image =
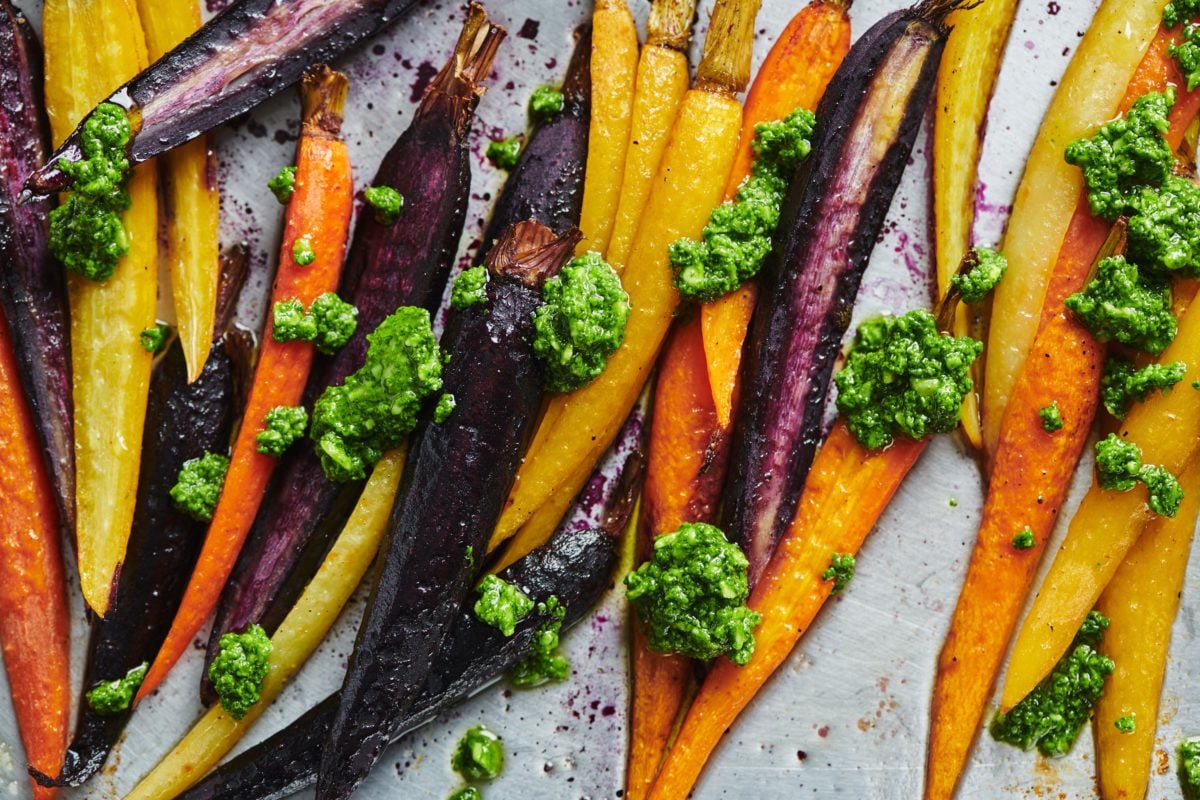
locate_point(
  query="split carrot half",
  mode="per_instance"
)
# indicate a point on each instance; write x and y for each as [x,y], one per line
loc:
[320,211]
[848,488]
[1141,602]
[794,75]
[1031,470]
[34,625]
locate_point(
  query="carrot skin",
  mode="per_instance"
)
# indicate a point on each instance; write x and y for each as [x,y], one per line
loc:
[320,210]
[34,624]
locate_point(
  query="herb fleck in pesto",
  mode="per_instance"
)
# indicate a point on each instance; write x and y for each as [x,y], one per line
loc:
[445,406]
[544,663]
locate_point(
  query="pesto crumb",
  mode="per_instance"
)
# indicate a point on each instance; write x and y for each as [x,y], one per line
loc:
[154,338]
[283,184]
[386,203]
[546,103]
[504,153]
[445,406]
[840,571]
[1051,418]
[302,251]
[1024,540]
[1126,724]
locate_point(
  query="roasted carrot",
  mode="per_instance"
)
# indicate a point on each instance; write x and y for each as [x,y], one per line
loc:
[91,46]
[690,183]
[1030,474]
[1141,602]
[794,75]
[191,241]
[319,211]
[614,72]
[1088,95]
[34,626]
[847,490]
[662,81]
[965,82]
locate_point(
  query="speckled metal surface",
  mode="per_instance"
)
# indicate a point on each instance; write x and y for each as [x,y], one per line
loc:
[847,715]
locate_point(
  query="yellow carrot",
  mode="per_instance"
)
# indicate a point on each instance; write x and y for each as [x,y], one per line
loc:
[1088,94]
[1141,602]
[662,81]
[1107,524]
[91,47]
[614,70]
[216,733]
[689,184]
[966,78]
[192,240]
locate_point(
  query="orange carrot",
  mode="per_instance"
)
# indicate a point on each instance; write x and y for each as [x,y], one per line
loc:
[1031,470]
[793,75]
[848,488]
[685,471]
[319,211]
[34,627]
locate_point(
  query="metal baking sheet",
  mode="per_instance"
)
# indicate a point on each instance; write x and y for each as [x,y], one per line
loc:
[847,715]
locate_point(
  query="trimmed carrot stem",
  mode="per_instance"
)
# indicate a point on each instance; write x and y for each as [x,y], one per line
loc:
[848,488]
[319,211]
[34,625]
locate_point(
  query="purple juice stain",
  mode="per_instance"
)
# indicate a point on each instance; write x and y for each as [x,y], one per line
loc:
[426,72]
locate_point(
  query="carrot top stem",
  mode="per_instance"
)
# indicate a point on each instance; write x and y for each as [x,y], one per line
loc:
[670,24]
[322,101]
[725,66]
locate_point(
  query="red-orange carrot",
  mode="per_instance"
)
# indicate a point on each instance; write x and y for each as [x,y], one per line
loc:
[848,488]
[793,75]
[34,627]
[318,211]
[685,471]
[1031,471]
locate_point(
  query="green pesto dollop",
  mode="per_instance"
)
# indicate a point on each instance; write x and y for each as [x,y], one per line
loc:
[840,571]
[1189,767]
[1024,540]
[544,663]
[470,288]
[989,267]
[283,426]
[153,339]
[283,184]
[903,377]
[546,103]
[479,755]
[444,408]
[691,595]
[239,669]
[199,484]
[302,251]
[376,407]
[466,793]
[501,604]
[385,202]
[737,238]
[329,323]
[1051,418]
[1126,724]
[112,697]
[1164,227]
[1119,468]
[1177,11]
[580,323]
[1187,53]
[504,153]
[1125,154]
[1126,305]
[86,231]
[1051,717]
[1122,384]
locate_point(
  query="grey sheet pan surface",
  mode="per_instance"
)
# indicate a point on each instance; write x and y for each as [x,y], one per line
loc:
[847,715]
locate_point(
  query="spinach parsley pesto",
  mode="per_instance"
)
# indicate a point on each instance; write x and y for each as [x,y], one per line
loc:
[691,595]
[283,426]
[86,231]
[385,202]
[283,185]
[840,571]
[479,755]
[1189,767]
[328,324]
[239,669]
[1051,717]
[470,288]
[544,663]
[580,323]
[198,487]
[504,153]
[112,697]
[903,377]
[154,338]
[987,267]
[1126,305]
[1051,418]
[1119,468]
[737,238]
[377,406]
[1123,384]
[501,604]
[546,103]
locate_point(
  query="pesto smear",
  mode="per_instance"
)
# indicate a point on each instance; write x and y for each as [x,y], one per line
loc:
[903,377]
[112,697]
[86,231]
[1051,717]
[737,238]
[239,669]
[1164,227]
[691,595]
